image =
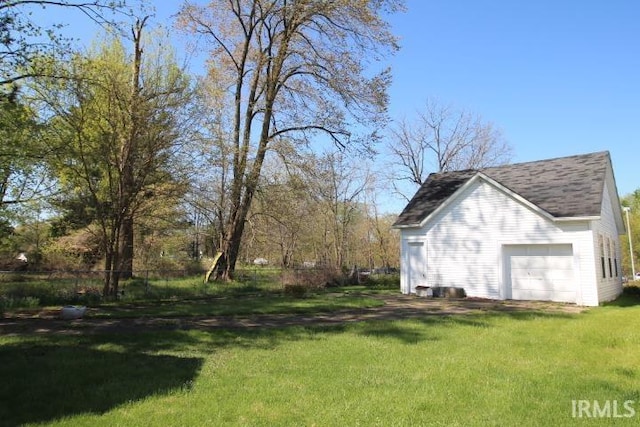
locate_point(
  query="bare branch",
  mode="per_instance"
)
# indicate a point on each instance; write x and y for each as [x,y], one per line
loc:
[447,139]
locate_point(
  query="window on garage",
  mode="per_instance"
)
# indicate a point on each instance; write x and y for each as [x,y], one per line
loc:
[609,253]
[602,255]
[614,255]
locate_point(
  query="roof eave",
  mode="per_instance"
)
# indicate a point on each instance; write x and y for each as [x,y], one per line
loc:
[516,196]
[450,199]
[577,218]
[404,226]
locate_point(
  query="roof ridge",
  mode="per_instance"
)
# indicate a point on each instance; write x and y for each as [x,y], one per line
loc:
[569,186]
[531,162]
[574,156]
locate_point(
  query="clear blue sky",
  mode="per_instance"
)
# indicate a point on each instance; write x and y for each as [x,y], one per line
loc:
[559,77]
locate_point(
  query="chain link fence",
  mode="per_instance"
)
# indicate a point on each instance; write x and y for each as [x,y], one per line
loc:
[24,289]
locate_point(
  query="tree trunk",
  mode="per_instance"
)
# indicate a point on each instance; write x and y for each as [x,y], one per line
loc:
[231,249]
[127,156]
[111,274]
[106,289]
[126,249]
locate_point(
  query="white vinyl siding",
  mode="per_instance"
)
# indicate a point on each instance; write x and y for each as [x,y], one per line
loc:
[464,242]
[607,246]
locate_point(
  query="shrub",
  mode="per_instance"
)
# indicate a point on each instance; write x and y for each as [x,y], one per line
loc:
[313,279]
[296,291]
[89,295]
[632,289]
[18,302]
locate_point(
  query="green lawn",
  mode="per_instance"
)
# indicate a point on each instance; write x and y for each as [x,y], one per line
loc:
[248,305]
[486,369]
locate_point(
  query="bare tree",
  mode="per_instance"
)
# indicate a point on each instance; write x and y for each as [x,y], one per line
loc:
[339,182]
[383,239]
[296,69]
[443,138]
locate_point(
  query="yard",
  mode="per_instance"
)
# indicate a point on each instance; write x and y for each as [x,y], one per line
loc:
[539,366]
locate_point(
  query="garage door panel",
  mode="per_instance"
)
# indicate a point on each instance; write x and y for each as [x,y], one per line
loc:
[530,294]
[541,262]
[540,272]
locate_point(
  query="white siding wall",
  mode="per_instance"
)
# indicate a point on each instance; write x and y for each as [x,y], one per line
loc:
[605,231]
[464,242]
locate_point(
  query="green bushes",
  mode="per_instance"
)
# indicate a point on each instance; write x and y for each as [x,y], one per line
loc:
[27,291]
[8,303]
[295,290]
[632,289]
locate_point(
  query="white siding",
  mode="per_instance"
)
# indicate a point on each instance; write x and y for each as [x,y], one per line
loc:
[465,240]
[609,284]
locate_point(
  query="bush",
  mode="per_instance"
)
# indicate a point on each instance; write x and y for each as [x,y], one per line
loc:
[632,289]
[88,295]
[296,291]
[18,302]
[384,281]
[313,279]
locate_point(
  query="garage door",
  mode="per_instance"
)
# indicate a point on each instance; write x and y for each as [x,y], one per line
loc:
[539,272]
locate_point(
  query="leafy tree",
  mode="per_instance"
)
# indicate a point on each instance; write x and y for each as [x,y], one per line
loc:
[22,40]
[295,69]
[32,234]
[115,129]
[21,173]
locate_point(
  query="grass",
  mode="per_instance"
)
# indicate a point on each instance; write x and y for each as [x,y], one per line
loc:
[483,369]
[239,306]
[260,293]
[22,290]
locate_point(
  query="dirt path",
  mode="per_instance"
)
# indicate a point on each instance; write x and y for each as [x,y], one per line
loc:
[395,307]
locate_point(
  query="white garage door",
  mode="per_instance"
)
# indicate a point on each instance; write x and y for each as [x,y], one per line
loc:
[540,272]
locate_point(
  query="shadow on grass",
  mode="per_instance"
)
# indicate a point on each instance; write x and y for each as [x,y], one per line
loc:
[48,377]
[42,383]
[433,327]
[401,332]
[630,297]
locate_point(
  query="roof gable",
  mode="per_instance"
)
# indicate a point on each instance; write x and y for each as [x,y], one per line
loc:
[567,187]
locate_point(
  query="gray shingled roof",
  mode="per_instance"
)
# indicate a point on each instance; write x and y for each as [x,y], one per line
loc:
[563,187]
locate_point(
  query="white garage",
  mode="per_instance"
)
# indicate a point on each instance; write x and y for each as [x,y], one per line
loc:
[539,272]
[546,230]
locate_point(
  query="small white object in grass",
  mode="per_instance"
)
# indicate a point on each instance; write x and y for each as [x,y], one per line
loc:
[70,312]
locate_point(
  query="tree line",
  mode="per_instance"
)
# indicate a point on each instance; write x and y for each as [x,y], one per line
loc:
[117,156]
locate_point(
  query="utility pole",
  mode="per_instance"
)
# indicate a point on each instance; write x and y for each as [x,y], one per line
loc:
[626,210]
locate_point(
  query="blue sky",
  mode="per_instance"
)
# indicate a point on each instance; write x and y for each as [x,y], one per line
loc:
[558,77]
